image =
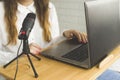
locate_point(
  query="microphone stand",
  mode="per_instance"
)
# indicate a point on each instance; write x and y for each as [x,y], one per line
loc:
[26,50]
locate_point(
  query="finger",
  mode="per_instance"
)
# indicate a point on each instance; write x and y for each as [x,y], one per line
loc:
[71,35]
[77,35]
[37,49]
[34,50]
[36,45]
[86,37]
[83,37]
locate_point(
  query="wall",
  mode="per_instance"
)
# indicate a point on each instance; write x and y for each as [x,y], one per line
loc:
[70,14]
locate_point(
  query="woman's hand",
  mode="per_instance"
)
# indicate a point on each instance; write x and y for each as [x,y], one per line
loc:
[35,48]
[82,37]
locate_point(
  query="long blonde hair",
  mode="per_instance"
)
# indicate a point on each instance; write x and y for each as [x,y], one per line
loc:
[42,9]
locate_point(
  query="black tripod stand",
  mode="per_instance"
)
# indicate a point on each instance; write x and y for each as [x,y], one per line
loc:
[26,50]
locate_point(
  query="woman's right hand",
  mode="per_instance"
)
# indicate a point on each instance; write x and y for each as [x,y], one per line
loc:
[69,34]
[35,48]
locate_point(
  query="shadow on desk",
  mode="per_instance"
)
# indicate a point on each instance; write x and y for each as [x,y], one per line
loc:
[3,77]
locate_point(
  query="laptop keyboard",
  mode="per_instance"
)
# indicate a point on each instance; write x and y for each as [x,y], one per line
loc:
[79,54]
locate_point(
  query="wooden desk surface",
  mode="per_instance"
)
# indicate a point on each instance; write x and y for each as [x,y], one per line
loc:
[49,69]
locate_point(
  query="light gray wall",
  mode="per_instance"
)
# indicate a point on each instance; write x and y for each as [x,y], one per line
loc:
[70,14]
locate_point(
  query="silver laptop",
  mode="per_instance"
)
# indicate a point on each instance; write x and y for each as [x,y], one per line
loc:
[103,30]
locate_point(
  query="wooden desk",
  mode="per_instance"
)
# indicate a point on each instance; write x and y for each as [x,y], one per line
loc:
[53,70]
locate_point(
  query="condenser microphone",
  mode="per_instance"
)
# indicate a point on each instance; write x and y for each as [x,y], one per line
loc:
[27,26]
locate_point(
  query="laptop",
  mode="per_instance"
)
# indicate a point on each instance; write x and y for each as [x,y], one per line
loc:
[103,30]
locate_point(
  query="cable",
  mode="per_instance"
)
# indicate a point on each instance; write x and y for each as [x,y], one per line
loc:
[17,61]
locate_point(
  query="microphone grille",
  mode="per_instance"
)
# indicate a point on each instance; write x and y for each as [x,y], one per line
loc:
[31,15]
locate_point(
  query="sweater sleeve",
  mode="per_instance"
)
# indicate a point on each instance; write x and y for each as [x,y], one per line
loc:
[5,55]
[55,31]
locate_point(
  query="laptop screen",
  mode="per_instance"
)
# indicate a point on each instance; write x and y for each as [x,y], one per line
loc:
[102,18]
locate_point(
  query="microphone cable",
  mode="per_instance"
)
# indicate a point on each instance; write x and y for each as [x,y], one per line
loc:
[17,61]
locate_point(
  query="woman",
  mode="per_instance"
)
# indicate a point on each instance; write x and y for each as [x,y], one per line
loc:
[44,31]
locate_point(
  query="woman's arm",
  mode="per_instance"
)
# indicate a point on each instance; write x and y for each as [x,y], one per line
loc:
[5,54]
[54,25]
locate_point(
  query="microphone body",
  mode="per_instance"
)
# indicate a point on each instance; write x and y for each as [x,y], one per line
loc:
[27,26]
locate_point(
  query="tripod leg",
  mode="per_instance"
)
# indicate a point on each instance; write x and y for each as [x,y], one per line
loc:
[12,61]
[35,73]
[35,56]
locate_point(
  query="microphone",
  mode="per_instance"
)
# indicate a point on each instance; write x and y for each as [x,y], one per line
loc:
[27,26]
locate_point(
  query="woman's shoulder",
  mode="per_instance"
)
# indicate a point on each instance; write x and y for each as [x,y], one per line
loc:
[1,8]
[1,4]
[51,5]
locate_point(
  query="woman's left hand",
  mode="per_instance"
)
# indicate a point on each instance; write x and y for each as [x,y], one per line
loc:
[35,48]
[82,37]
